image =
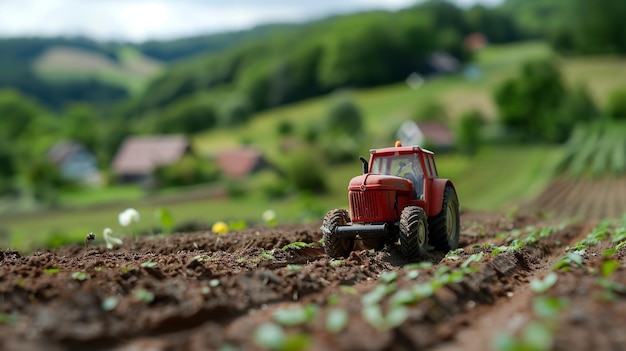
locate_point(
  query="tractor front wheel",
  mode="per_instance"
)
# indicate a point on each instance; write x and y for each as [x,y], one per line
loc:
[413,233]
[334,245]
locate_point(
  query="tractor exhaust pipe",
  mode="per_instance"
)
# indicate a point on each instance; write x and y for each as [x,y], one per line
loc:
[365,164]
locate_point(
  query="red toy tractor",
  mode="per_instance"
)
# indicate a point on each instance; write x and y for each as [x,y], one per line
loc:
[399,197]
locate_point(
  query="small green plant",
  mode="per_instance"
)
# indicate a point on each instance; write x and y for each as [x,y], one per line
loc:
[109,303]
[126,269]
[335,263]
[608,267]
[80,276]
[237,225]
[295,316]
[270,336]
[543,285]
[294,267]
[143,295]
[336,320]
[51,270]
[8,319]
[201,258]
[149,264]
[388,277]
[214,283]
[268,256]
[165,218]
[297,245]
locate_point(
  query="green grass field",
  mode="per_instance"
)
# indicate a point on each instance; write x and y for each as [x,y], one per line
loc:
[497,178]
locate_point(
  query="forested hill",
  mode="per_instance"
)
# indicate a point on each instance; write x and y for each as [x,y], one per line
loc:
[281,63]
[25,63]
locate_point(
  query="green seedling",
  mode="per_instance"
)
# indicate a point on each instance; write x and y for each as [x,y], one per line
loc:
[346,289]
[295,316]
[388,277]
[241,259]
[51,270]
[335,263]
[149,264]
[336,320]
[567,261]
[297,245]
[267,256]
[419,265]
[80,276]
[8,319]
[548,307]
[109,303]
[214,283]
[608,267]
[542,285]
[165,218]
[269,338]
[412,274]
[473,258]
[144,295]
[201,258]
[294,267]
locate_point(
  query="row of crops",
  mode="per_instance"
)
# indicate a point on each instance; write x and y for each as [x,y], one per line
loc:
[595,150]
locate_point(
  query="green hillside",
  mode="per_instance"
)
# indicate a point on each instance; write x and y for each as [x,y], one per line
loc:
[132,70]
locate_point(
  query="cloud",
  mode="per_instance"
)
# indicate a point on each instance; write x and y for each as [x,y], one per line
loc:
[140,20]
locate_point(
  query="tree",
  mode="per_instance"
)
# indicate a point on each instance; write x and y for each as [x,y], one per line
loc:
[528,103]
[617,104]
[82,125]
[469,131]
[343,132]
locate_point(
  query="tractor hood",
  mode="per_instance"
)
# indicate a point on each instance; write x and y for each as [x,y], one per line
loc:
[379,182]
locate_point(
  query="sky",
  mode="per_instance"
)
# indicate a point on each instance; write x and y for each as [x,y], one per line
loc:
[141,20]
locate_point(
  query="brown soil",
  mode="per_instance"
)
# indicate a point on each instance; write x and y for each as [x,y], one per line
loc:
[199,291]
[584,198]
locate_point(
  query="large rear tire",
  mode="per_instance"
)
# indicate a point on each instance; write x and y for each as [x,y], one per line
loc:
[445,227]
[334,245]
[413,233]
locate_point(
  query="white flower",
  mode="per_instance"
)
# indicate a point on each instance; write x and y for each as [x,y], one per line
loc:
[110,240]
[269,216]
[128,216]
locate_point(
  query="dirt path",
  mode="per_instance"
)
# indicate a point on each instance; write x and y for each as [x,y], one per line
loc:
[251,290]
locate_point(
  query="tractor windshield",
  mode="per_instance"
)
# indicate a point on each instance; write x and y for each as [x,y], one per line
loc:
[406,166]
[397,165]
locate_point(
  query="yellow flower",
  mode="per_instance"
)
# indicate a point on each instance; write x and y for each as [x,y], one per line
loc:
[220,228]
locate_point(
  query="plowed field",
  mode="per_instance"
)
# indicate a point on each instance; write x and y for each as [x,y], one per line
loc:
[516,282]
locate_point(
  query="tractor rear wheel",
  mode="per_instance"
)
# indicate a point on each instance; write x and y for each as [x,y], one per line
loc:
[334,245]
[413,232]
[445,227]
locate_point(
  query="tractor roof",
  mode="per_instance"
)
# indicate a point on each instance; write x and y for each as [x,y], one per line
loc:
[399,149]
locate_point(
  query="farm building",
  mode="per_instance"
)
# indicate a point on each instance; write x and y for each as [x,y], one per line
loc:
[139,156]
[435,135]
[239,163]
[75,162]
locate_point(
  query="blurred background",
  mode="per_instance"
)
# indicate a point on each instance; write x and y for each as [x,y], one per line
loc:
[194,112]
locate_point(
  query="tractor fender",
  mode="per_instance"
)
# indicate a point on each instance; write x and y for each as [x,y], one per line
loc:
[438,186]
